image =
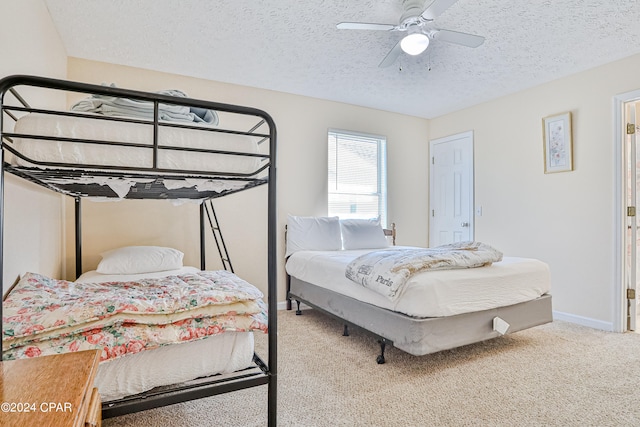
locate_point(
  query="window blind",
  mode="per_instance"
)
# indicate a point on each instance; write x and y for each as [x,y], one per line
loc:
[357,175]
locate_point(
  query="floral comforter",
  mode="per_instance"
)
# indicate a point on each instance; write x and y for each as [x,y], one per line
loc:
[46,316]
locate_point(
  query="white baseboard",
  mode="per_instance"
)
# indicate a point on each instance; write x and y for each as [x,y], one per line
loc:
[584,321]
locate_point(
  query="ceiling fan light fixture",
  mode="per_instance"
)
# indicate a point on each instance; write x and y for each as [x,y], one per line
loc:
[414,43]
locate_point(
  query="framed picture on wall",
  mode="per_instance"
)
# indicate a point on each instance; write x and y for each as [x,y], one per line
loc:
[558,144]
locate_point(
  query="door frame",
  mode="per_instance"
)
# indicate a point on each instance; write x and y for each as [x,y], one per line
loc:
[445,139]
[619,206]
[631,228]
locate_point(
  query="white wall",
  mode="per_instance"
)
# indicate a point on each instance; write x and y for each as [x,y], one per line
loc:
[29,44]
[302,125]
[565,219]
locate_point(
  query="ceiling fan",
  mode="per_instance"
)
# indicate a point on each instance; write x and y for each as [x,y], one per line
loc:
[416,22]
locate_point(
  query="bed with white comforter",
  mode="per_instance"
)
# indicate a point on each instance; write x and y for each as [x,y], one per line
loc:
[449,296]
[436,293]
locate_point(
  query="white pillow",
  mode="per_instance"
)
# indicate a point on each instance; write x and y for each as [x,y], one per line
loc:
[362,234]
[139,259]
[313,233]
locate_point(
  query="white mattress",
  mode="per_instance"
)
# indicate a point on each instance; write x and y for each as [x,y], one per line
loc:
[139,372]
[436,293]
[92,154]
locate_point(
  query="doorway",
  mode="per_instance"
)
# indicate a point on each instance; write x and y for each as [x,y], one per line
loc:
[627,200]
[631,157]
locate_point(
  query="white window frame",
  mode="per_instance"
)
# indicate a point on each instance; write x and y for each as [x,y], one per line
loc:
[381,142]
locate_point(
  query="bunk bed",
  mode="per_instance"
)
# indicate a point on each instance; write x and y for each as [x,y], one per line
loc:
[179,149]
[436,309]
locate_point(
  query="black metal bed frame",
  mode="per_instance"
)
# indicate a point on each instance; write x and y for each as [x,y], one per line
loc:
[50,174]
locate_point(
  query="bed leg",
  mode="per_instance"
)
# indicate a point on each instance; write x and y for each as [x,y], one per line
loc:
[288,292]
[380,358]
[345,332]
[298,311]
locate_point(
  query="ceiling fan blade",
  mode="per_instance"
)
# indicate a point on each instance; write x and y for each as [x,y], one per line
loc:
[464,39]
[391,56]
[364,26]
[436,8]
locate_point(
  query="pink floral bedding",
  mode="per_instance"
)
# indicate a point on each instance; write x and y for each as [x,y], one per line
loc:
[46,316]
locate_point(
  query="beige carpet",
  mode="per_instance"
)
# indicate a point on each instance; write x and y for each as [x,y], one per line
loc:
[558,374]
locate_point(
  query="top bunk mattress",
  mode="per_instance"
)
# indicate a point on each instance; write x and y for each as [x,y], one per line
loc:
[122,132]
[435,293]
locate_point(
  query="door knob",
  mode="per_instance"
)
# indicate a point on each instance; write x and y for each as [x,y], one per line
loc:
[464,224]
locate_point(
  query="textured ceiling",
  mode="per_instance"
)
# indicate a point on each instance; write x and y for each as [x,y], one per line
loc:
[293,46]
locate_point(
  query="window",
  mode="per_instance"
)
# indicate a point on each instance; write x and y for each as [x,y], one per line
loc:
[357,175]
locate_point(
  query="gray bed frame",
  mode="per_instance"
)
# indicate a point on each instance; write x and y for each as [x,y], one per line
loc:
[418,336]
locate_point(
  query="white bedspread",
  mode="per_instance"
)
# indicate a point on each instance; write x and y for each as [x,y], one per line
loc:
[432,293]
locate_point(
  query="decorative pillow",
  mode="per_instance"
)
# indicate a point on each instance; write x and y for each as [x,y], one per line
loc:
[139,259]
[312,233]
[362,234]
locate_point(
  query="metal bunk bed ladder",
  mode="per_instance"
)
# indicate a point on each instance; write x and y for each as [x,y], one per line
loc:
[217,235]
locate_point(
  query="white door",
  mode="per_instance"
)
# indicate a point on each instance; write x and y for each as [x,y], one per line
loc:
[451,189]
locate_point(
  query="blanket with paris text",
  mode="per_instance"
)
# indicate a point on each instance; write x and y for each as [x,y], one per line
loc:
[387,271]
